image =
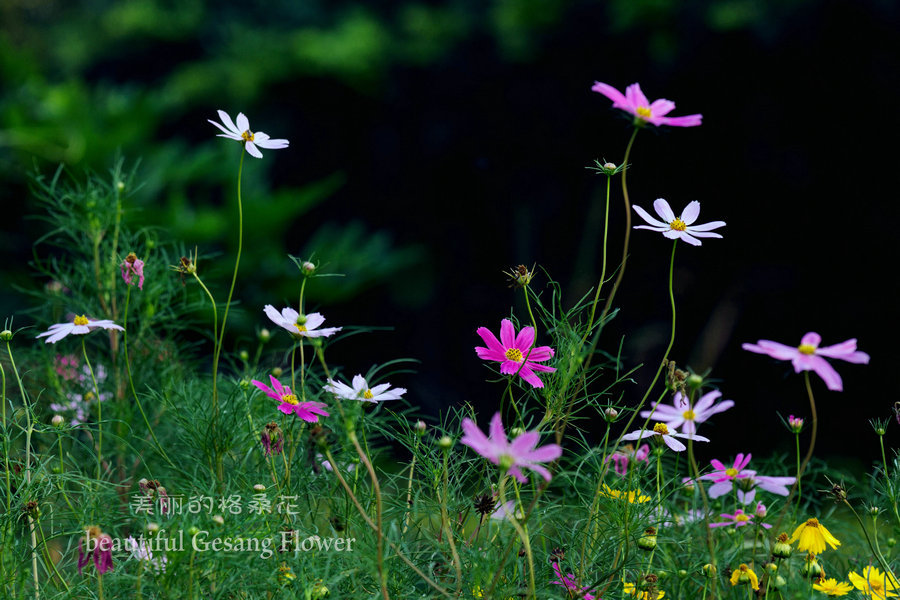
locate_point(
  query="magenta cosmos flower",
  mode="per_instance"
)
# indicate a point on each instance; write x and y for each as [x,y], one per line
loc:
[667,436]
[99,547]
[299,325]
[681,227]
[681,413]
[241,133]
[79,326]
[569,582]
[624,455]
[133,267]
[515,353]
[738,519]
[361,391]
[808,356]
[634,102]
[522,452]
[308,411]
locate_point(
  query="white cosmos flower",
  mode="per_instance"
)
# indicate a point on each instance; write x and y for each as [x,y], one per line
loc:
[361,390]
[678,227]
[241,133]
[299,325]
[667,436]
[79,326]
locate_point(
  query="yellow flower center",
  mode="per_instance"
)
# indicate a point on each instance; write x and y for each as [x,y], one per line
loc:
[806,349]
[661,429]
[247,135]
[368,395]
[301,328]
[514,354]
[81,320]
[678,225]
[689,415]
[290,399]
[742,517]
[644,112]
[812,523]
[731,472]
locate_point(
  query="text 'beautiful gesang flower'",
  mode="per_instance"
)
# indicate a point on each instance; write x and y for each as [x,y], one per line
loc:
[682,227]
[289,403]
[661,430]
[514,352]
[512,456]
[361,390]
[79,326]
[681,414]
[299,325]
[808,356]
[634,102]
[241,132]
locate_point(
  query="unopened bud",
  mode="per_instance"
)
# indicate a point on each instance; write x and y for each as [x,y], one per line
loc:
[307,268]
[648,540]
[694,381]
[873,510]
[891,542]
[264,335]
[193,530]
[277,371]
[6,335]
[57,420]
[218,519]
[446,442]
[811,568]
[259,487]
[709,570]
[610,414]
[120,185]
[244,355]
[682,573]
[152,527]
[420,427]
[516,432]
[782,549]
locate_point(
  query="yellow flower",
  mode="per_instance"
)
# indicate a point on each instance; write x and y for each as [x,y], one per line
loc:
[812,536]
[831,587]
[744,574]
[633,496]
[630,590]
[874,584]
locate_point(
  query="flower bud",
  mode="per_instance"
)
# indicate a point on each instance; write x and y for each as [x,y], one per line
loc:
[694,381]
[811,568]
[57,420]
[259,487]
[516,432]
[193,530]
[682,573]
[319,591]
[6,335]
[120,186]
[264,335]
[152,527]
[782,549]
[648,540]
[446,442]
[610,414]
[244,355]
[873,510]
[420,427]
[891,542]
[779,582]
[277,371]
[709,570]
[307,268]
[218,519]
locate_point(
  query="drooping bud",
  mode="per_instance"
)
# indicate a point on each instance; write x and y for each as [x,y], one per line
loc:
[782,548]
[648,540]
[811,569]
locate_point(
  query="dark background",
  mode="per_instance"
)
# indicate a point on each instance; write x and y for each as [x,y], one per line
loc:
[436,144]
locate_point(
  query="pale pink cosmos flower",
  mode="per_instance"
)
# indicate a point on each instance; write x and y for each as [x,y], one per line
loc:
[738,519]
[309,411]
[241,133]
[299,325]
[725,478]
[515,353]
[79,326]
[570,584]
[621,457]
[133,267]
[748,485]
[521,452]
[681,414]
[808,356]
[681,227]
[361,390]
[795,424]
[634,102]
[662,430]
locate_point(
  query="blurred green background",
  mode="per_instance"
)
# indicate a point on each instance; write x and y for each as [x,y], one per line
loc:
[434,144]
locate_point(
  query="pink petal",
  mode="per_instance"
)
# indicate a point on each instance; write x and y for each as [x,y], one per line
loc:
[498,434]
[811,339]
[685,121]
[610,92]
[540,367]
[635,96]
[773,349]
[700,227]
[540,353]
[507,334]
[540,470]
[674,444]
[490,339]
[827,373]
[845,351]
[286,408]
[524,443]
[488,354]
[546,453]
[661,107]
[525,339]
[706,400]
[528,375]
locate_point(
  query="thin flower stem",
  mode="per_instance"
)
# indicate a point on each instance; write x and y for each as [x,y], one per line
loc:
[812,444]
[621,273]
[412,471]
[61,469]
[872,546]
[99,407]
[523,534]
[445,521]
[887,477]
[602,280]
[131,381]
[5,440]
[215,388]
[220,338]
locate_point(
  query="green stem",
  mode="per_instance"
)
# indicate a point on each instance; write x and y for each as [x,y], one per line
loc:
[445,521]
[99,407]
[812,444]
[523,533]
[621,273]
[215,388]
[602,280]
[131,380]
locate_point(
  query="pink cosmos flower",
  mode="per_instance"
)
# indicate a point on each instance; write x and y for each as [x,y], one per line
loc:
[515,352]
[680,413]
[272,439]
[634,102]
[738,519]
[361,391]
[133,267]
[79,326]
[723,477]
[795,424]
[667,436]
[99,546]
[681,227]
[569,582]
[621,457]
[299,325]
[511,455]
[307,411]
[776,485]
[241,133]
[808,356]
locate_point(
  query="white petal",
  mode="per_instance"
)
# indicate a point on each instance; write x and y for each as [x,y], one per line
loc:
[229,124]
[646,216]
[252,150]
[663,209]
[242,123]
[690,212]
